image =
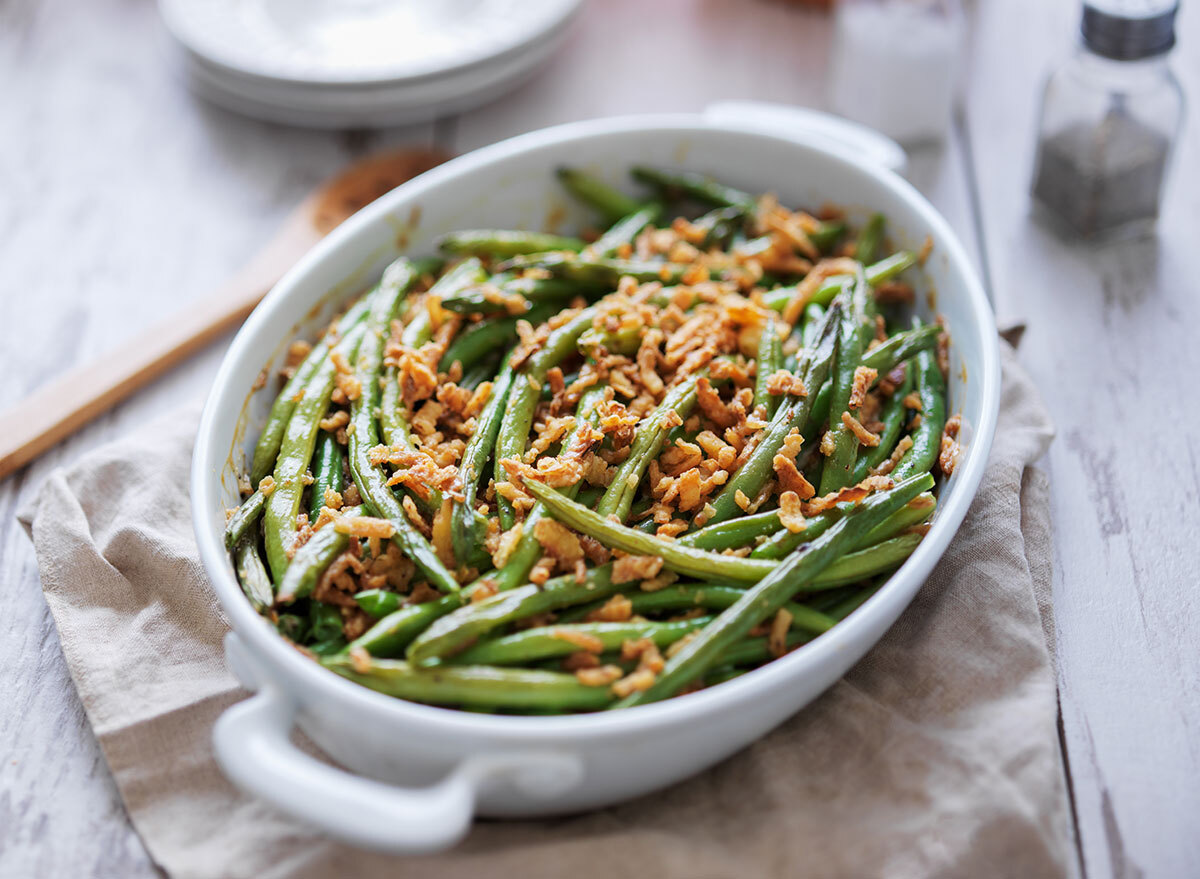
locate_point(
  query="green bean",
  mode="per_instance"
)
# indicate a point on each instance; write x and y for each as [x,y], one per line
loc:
[475,685]
[291,626]
[453,632]
[770,360]
[481,372]
[877,273]
[372,484]
[378,603]
[804,334]
[647,443]
[478,340]
[869,239]
[295,453]
[796,573]
[853,566]
[732,533]
[325,627]
[528,550]
[468,273]
[885,357]
[784,542]
[468,530]
[682,559]
[647,526]
[697,186]
[708,596]
[927,437]
[503,243]
[792,413]
[597,271]
[839,464]
[590,495]
[328,473]
[394,632]
[883,557]
[892,417]
[755,651]
[818,414]
[267,448]
[595,342]
[624,231]
[826,235]
[853,602]
[393,426]
[889,267]
[475,300]
[916,512]
[547,642]
[312,559]
[523,399]
[243,518]
[720,224]
[813,315]
[610,203]
[722,675]
[252,574]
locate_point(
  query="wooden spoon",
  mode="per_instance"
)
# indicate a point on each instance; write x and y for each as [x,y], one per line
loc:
[60,408]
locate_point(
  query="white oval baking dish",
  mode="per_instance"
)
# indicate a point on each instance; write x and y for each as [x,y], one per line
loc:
[418,774]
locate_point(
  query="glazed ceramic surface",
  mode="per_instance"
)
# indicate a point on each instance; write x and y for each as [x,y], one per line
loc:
[421,772]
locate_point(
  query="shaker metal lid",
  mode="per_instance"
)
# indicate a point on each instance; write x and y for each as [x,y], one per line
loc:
[1127,30]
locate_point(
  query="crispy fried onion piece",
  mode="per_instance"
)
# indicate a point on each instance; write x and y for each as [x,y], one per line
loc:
[886,467]
[714,408]
[416,471]
[855,427]
[777,639]
[850,494]
[948,456]
[784,463]
[599,677]
[636,567]
[650,663]
[783,382]
[618,609]
[791,512]
[863,377]
[559,542]
[364,526]
[821,272]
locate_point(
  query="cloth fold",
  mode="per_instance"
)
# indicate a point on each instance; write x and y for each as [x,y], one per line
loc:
[936,756]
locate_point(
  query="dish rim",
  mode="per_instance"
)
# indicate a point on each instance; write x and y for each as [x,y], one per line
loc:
[324,686]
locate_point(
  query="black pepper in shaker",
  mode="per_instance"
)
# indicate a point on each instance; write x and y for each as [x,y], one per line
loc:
[1110,117]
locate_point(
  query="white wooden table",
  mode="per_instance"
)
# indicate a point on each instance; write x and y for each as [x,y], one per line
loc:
[122,198]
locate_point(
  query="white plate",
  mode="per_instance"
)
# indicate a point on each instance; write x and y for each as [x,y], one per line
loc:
[369,105]
[359,41]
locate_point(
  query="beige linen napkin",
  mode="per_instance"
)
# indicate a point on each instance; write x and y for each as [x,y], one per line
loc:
[936,756]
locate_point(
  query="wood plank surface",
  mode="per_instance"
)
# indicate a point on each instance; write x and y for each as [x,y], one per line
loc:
[1111,343]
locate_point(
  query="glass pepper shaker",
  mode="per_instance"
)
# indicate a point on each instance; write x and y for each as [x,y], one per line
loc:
[1109,120]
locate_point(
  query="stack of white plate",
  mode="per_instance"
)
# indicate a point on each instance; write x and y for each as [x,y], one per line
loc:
[348,63]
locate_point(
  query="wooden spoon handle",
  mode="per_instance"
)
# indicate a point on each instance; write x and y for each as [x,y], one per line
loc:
[71,400]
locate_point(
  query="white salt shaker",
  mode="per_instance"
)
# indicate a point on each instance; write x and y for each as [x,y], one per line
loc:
[896,64]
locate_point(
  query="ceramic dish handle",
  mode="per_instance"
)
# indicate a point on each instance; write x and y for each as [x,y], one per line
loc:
[782,119]
[253,746]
